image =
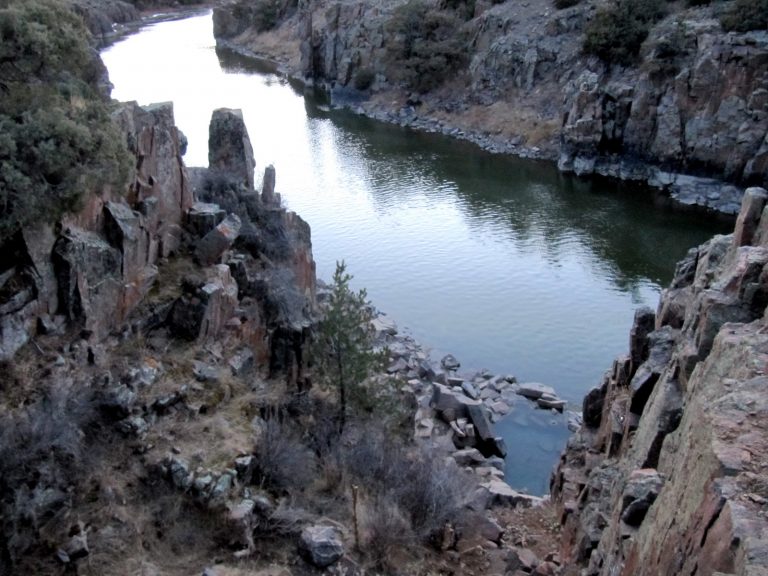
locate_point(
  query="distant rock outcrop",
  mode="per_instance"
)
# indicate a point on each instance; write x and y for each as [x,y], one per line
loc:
[690,117]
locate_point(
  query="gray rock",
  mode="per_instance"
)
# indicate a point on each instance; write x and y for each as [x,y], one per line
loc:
[211,246]
[384,326]
[180,475]
[242,362]
[468,457]
[204,217]
[135,425]
[470,390]
[222,487]
[399,365]
[487,442]
[449,403]
[202,485]
[229,146]
[205,372]
[449,362]
[592,407]
[534,390]
[551,402]
[321,545]
[242,511]
[503,494]
[116,403]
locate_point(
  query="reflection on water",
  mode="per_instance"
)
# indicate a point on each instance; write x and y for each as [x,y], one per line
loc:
[506,263]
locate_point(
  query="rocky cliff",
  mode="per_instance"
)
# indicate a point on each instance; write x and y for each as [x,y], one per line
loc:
[96,269]
[689,117]
[667,475]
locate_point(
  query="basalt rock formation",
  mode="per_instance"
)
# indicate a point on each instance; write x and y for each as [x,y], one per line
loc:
[691,117]
[95,270]
[667,475]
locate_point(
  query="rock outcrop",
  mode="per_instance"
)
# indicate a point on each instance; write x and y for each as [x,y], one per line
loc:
[104,261]
[256,283]
[690,118]
[667,474]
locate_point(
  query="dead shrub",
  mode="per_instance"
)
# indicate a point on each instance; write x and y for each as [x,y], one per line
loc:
[42,459]
[285,520]
[281,461]
[384,528]
[425,487]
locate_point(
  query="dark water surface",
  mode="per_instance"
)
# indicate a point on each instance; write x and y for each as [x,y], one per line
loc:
[506,263]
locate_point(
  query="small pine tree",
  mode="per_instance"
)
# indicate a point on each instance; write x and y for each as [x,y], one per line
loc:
[343,351]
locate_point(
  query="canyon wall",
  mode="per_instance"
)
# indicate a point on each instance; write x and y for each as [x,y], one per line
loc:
[690,117]
[667,474]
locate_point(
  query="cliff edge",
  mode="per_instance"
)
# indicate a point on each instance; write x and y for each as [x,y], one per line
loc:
[668,473]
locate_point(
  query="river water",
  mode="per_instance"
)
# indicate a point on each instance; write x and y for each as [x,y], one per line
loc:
[505,263]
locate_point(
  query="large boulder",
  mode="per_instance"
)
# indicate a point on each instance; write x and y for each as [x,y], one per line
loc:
[211,247]
[321,545]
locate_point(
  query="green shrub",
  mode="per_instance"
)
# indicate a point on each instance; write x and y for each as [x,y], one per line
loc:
[57,140]
[618,31]
[746,15]
[429,45]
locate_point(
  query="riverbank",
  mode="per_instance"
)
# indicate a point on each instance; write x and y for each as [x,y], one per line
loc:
[530,91]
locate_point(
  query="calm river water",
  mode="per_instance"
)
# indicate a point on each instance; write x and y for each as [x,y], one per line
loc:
[505,263]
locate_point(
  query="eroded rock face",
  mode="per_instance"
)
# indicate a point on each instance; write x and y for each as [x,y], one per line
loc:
[663,476]
[690,118]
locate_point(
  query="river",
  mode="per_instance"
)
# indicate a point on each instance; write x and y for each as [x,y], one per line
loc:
[505,263]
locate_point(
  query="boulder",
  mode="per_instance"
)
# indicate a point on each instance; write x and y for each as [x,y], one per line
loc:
[321,545]
[470,390]
[204,217]
[550,402]
[468,457]
[384,326]
[535,390]
[242,362]
[222,487]
[180,475]
[229,146]
[486,441]
[473,524]
[503,494]
[212,246]
[449,403]
[449,362]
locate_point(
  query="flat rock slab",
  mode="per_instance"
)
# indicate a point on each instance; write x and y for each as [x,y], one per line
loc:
[535,390]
